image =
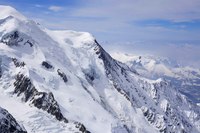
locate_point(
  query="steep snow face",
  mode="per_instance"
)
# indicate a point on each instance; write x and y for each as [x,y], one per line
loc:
[24,49]
[185,79]
[8,124]
[67,79]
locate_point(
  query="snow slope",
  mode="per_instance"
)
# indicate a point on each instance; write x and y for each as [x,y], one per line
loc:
[64,81]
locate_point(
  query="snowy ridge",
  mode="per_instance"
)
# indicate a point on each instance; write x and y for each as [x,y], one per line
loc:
[7,11]
[70,81]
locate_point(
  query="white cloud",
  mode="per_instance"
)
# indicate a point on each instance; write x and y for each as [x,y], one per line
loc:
[55,8]
[114,20]
[176,10]
[39,6]
[116,26]
[185,54]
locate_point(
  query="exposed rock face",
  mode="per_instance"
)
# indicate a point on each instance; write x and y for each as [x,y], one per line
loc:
[16,38]
[62,75]
[166,121]
[12,39]
[41,100]
[8,124]
[18,63]
[46,101]
[47,65]
[81,127]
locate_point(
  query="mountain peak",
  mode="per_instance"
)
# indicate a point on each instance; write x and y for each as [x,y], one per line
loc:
[8,11]
[67,80]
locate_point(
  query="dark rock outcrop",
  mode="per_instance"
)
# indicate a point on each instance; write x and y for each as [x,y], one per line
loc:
[47,65]
[8,124]
[90,75]
[46,101]
[12,39]
[16,38]
[18,63]
[41,100]
[62,75]
[81,127]
[29,42]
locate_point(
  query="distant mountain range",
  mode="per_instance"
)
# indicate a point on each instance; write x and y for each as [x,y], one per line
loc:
[184,78]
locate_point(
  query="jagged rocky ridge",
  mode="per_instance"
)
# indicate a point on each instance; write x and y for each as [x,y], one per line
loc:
[41,100]
[70,76]
[15,38]
[170,121]
[8,124]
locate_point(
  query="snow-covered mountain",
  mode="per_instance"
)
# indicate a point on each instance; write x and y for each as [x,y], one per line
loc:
[186,79]
[8,124]
[64,81]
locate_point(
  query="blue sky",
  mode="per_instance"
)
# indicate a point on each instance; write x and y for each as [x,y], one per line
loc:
[122,20]
[154,23]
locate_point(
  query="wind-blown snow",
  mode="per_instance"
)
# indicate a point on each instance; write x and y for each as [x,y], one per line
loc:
[7,11]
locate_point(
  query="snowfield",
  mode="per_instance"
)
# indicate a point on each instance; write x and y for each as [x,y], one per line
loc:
[64,81]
